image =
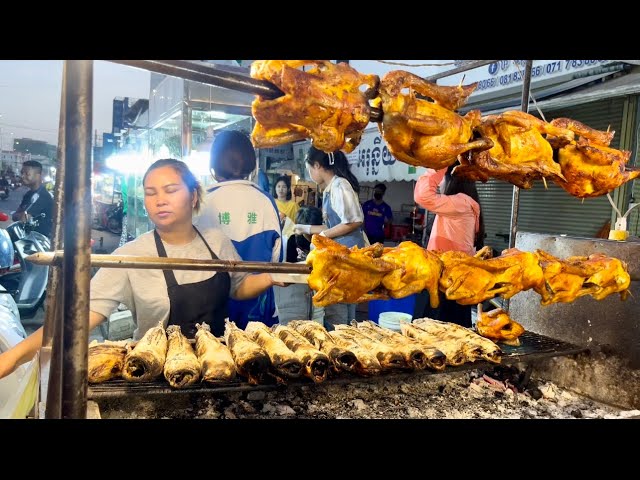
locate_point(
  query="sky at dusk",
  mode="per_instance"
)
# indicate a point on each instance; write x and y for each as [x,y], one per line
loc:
[30,97]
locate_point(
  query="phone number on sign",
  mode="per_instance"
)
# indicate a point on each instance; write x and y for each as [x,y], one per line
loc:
[537,71]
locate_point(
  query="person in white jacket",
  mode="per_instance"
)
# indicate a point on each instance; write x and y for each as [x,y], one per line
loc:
[246,214]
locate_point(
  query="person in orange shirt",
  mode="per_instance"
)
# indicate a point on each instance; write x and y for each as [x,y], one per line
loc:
[458,225]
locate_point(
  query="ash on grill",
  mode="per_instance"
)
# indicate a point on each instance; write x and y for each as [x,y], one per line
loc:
[501,392]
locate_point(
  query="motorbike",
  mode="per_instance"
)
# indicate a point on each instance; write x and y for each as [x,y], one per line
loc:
[26,282]
[109,218]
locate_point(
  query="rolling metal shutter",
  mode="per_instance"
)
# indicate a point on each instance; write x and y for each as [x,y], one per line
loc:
[552,210]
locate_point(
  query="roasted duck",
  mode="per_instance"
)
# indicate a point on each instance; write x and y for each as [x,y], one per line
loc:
[416,269]
[316,364]
[589,166]
[424,133]
[498,326]
[471,280]
[216,362]
[284,361]
[182,367]
[250,358]
[324,103]
[520,153]
[318,336]
[105,360]
[145,362]
[473,345]
[415,353]
[390,357]
[596,275]
[343,275]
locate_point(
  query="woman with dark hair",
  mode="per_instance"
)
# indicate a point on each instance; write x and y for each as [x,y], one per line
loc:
[282,194]
[180,297]
[341,212]
[458,225]
[246,214]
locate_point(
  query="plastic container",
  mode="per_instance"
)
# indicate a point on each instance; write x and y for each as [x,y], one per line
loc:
[392,320]
[405,305]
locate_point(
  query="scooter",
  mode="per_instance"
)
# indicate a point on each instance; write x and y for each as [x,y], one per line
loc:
[25,281]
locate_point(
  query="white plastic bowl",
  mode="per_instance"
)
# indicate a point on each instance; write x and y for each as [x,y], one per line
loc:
[391,320]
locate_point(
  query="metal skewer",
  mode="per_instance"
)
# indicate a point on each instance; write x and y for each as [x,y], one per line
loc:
[219,76]
[133,261]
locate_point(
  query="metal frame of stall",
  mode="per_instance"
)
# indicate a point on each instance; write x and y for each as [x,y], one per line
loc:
[63,356]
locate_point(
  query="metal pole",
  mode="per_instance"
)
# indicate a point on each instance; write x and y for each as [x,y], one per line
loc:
[515,202]
[462,68]
[77,232]
[51,353]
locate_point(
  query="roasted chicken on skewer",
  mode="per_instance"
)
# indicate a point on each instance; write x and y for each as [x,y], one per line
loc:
[591,168]
[498,326]
[520,153]
[324,103]
[424,133]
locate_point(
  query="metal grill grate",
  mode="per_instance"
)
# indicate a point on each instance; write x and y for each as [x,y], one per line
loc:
[533,347]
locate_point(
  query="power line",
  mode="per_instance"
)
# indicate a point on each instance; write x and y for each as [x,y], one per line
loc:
[28,128]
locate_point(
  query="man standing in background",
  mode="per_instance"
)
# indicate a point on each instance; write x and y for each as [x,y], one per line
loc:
[377,213]
[37,202]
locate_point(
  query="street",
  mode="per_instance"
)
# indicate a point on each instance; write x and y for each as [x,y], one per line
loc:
[105,242]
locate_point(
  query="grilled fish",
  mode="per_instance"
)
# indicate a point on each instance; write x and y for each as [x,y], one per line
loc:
[474,346]
[342,358]
[216,362]
[452,349]
[415,353]
[284,361]
[316,364]
[250,358]
[390,358]
[145,361]
[367,364]
[105,361]
[181,368]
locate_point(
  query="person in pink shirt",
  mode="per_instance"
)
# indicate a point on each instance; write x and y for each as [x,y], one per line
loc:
[458,225]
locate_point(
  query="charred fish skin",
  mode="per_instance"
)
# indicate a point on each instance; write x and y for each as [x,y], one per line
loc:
[342,358]
[145,361]
[316,363]
[252,362]
[105,362]
[181,367]
[284,361]
[367,364]
[389,358]
[452,350]
[216,361]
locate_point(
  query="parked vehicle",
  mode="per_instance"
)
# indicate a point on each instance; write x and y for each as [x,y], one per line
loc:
[108,217]
[26,282]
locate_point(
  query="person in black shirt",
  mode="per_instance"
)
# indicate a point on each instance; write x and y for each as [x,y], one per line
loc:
[37,200]
[299,245]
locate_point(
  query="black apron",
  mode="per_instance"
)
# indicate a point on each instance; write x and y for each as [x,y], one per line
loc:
[198,302]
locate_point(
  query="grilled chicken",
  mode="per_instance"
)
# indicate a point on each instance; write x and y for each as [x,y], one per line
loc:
[105,361]
[284,361]
[182,367]
[250,358]
[470,280]
[498,326]
[343,275]
[318,336]
[424,133]
[316,364]
[596,275]
[145,362]
[416,269]
[216,362]
[324,103]
[520,153]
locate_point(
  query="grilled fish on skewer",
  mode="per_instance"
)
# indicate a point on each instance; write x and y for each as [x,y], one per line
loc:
[315,333]
[367,364]
[315,362]
[105,361]
[474,345]
[452,349]
[216,362]
[390,358]
[284,361]
[250,358]
[181,368]
[415,353]
[145,361]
